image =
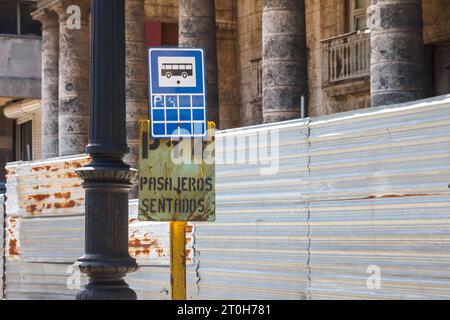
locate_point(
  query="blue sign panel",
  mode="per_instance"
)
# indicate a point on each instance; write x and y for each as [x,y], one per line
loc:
[177,93]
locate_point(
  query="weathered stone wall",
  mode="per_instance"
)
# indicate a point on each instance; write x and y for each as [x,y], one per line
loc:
[136,92]
[436,20]
[227,46]
[226,26]
[326,19]
[20,66]
[239,45]
[162,10]
[249,51]
[74,75]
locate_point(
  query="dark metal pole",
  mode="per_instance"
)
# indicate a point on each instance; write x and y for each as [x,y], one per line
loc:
[107,179]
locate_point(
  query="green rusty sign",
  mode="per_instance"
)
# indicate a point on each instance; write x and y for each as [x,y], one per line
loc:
[176,178]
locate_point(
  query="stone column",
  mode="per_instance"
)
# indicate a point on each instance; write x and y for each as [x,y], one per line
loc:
[397,51]
[197,29]
[50,79]
[74,61]
[136,77]
[284,59]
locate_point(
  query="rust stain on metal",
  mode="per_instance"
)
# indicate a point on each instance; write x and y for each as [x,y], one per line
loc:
[36,209]
[73,164]
[38,197]
[41,186]
[393,196]
[33,209]
[13,243]
[37,169]
[65,205]
[12,226]
[144,246]
[70,175]
[63,195]
[13,249]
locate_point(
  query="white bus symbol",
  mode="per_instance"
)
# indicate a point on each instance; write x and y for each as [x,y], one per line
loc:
[177,69]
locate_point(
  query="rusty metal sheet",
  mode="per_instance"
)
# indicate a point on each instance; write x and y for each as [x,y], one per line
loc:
[176,181]
[353,190]
[45,188]
[12,240]
[61,239]
[40,247]
[2,243]
[149,241]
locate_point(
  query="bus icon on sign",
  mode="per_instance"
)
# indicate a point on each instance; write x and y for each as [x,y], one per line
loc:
[177,69]
[176,72]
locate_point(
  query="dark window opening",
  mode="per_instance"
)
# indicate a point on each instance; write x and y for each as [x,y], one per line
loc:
[170,34]
[26,141]
[161,34]
[442,69]
[8,17]
[15,18]
[28,26]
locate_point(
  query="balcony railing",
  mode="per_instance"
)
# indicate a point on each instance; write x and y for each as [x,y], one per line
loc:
[346,57]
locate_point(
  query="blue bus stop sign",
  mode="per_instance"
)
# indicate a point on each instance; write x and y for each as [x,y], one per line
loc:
[177,93]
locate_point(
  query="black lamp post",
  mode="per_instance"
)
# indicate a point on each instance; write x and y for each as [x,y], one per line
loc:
[107,179]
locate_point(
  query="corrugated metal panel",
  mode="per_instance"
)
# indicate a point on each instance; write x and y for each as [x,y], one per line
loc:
[2,242]
[45,188]
[359,189]
[353,190]
[44,237]
[378,193]
[39,281]
[257,248]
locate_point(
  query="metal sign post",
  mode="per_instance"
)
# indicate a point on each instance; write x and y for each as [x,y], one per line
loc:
[176,152]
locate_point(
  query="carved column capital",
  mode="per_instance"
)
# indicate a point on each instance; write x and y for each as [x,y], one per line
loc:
[47,17]
[62,8]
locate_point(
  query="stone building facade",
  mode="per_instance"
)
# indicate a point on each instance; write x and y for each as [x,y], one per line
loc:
[267,60]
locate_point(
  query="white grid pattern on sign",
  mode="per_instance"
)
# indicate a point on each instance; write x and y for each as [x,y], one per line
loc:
[195,127]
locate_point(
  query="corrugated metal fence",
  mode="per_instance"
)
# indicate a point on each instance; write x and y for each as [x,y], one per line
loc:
[308,209]
[2,243]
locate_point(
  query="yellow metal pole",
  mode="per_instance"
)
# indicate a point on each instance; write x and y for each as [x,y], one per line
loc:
[178,259]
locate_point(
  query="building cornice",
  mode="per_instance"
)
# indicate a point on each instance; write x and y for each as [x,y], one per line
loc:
[22,109]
